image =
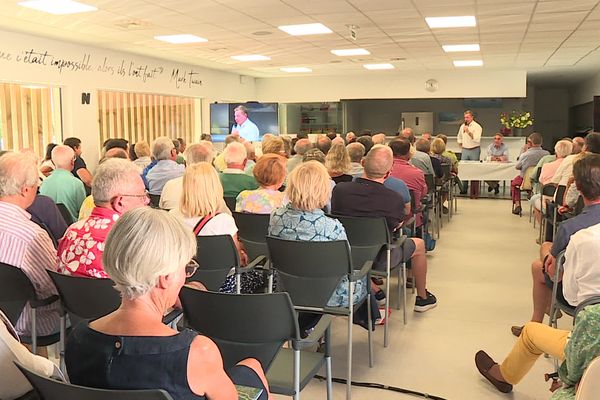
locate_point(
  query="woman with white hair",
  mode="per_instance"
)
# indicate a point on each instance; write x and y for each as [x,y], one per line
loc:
[562,148]
[148,255]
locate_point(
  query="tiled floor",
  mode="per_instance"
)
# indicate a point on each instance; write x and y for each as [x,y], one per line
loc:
[480,273]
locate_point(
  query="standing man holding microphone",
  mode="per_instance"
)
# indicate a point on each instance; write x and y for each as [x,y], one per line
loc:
[468,138]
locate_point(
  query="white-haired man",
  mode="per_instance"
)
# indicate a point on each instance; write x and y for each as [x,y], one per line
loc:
[243,126]
[116,188]
[61,186]
[233,178]
[23,244]
[300,148]
[166,168]
[195,153]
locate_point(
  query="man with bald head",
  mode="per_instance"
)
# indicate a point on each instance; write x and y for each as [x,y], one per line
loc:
[368,197]
[61,186]
[578,143]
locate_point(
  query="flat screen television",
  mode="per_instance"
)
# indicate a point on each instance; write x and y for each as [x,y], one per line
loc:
[264,115]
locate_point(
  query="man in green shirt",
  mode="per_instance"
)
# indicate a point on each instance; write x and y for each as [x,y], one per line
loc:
[61,186]
[233,178]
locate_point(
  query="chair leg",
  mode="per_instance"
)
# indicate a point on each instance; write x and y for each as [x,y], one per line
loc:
[296,374]
[350,318]
[328,363]
[387,297]
[404,291]
[63,329]
[238,283]
[33,331]
[369,331]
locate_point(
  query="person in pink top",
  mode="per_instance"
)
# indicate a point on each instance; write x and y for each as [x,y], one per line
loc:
[116,188]
[403,170]
[562,148]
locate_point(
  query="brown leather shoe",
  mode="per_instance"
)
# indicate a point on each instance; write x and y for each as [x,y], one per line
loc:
[484,363]
[516,330]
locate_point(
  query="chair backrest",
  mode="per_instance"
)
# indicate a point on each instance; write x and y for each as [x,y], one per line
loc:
[310,271]
[65,213]
[50,389]
[367,235]
[559,195]
[154,200]
[447,170]
[527,184]
[86,298]
[430,181]
[230,202]
[242,325]
[589,385]
[15,291]
[216,255]
[548,189]
[252,232]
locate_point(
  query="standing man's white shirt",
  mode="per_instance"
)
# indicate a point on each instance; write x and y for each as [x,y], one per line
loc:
[581,277]
[248,130]
[465,140]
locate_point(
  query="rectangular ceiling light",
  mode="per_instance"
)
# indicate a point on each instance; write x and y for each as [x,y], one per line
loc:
[296,69]
[350,52]
[305,29]
[251,57]
[468,63]
[58,7]
[378,66]
[180,39]
[451,22]
[452,48]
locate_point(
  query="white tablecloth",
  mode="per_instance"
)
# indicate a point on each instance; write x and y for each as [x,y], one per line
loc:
[486,171]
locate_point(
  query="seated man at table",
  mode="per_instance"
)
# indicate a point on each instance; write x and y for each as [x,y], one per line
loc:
[529,158]
[587,179]
[496,151]
[368,197]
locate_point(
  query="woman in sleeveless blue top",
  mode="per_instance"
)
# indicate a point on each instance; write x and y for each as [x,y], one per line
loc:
[147,255]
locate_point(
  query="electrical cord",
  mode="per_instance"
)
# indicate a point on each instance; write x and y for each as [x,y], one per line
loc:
[383,387]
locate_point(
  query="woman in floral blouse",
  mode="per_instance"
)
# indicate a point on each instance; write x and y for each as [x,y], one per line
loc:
[269,172]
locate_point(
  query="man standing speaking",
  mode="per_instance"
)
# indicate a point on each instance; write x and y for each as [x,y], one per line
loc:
[243,126]
[468,138]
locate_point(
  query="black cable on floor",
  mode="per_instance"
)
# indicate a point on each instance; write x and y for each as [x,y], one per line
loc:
[384,387]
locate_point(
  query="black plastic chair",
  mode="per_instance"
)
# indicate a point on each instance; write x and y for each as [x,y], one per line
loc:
[51,389]
[310,273]
[154,200]
[65,213]
[230,202]
[552,216]
[257,325]
[82,298]
[558,302]
[217,256]
[252,232]
[368,236]
[16,291]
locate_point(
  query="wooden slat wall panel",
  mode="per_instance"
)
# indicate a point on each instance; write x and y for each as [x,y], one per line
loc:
[28,120]
[143,116]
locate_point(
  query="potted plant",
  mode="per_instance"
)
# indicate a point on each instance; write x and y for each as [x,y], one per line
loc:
[515,120]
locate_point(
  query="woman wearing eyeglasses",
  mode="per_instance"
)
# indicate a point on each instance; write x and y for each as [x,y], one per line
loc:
[147,254]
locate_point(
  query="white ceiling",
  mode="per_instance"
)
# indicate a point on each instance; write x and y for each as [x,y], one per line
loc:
[555,40]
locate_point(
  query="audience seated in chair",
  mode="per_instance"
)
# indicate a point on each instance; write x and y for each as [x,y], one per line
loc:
[61,186]
[79,170]
[356,152]
[142,152]
[308,191]
[165,169]
[337,162]
[367,196]
[300,148]
[576,349]
[148,255]
[233,178]
[12,383]
[587,179]
[116,188]
[529,157]
[23,244]
[269,172]
[417,158]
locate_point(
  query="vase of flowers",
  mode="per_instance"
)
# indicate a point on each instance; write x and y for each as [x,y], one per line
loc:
[516,121]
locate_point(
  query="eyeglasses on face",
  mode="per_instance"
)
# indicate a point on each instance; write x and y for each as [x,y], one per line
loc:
[190,268]
[146,196]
